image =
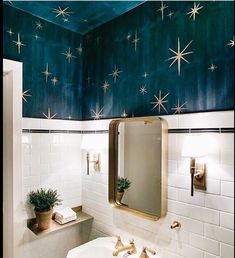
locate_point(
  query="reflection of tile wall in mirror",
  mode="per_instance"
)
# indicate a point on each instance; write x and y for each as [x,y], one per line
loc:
[140,159]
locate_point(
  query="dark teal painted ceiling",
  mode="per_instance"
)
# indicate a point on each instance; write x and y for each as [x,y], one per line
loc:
[79,16]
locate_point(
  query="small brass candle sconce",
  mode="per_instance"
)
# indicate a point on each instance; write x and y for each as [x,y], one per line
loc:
[96,161]
[175,225]
[194,147]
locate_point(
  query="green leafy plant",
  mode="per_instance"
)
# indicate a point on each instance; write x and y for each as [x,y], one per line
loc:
[44,200]
[123,184]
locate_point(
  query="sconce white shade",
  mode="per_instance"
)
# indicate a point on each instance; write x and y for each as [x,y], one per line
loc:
[94,141]
[194,146]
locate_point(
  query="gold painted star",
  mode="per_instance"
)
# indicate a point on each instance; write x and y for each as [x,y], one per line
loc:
[18,43]
[135,40]
[105,86]
[39,25]
[10,32]
[49,116]
[69,117]
[46,72]
[62,12]
[128,37]
[97,114]
[179,108]
[212,67]
[25,95]
[36,36]
[231,42]
[79,49]
[10,2]
[194,10]
[179,55]
[69,55]
[124,114]
[145,75]
[65,19]
[54,80]
[115,73]
[161,9]
[160,101]
[143,90]
[170,14]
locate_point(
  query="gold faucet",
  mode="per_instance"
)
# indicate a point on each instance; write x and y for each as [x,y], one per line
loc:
[144,252]
[119,243]
[131,249]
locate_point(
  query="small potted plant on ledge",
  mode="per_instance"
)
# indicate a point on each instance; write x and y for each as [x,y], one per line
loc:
[43,201]
[122,185]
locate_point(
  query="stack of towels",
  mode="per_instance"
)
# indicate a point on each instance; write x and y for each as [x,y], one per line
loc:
[65,215]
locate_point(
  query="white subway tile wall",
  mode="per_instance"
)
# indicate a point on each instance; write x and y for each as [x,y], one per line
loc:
[52,160]
[207,218]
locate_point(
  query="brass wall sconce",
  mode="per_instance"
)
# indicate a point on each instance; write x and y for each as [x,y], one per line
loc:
[193,148]
[93,143]
[96,161]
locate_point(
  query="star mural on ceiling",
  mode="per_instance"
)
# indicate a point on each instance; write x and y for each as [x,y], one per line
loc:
[160,101]
[145,75]
[36,36]
[25,95]
[179,107]
[65,20]
[212,67]
[128,37]
[19,43]
[97,114]
[143,90]
[48,115]
[115,73]
[46,72]
[63,12]
[162,8]
[179,55]
[79,49]
[69,55]
[170,14]
[124,114]
[135,40]
[231,42]
[39,25]
[10,32]
[194,10]
[54,80]
[105,86]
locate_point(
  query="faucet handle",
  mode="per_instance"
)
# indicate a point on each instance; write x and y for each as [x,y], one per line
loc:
[144,252]
[132,241]
[119,243]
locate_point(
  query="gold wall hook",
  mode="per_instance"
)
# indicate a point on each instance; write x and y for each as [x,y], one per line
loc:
[175,224]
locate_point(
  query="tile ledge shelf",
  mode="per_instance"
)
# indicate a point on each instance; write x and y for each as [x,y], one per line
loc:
[81,217]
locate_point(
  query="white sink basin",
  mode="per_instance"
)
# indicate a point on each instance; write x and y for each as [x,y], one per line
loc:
[101,247]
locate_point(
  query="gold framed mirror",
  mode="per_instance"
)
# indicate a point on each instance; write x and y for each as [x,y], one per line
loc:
[138,165]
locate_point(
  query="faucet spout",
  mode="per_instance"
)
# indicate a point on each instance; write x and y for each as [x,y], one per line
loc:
[131,249]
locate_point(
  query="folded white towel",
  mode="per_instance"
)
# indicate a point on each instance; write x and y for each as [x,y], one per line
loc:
[65,213]
[63,221]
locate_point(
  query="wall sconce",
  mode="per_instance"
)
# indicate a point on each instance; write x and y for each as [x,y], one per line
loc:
[194,146]
[94,142]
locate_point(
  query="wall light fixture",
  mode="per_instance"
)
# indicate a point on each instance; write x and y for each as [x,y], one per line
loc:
[194,146]
[94,143]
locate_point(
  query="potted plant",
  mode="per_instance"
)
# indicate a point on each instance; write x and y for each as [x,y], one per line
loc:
[43,201]
[122,185]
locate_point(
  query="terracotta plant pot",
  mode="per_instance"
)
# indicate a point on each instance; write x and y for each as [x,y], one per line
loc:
[44,219]
[119,196]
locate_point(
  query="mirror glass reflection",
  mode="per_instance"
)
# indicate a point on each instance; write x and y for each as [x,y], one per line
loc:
[139,165]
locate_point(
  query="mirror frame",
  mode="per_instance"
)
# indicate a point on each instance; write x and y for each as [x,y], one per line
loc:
[113,165]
